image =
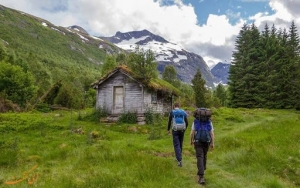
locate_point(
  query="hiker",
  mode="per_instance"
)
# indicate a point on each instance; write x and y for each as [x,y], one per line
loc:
[178,120]
[202,137]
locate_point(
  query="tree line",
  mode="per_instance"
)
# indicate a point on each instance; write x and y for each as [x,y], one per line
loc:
[27,83]
[265,70]
[265,73]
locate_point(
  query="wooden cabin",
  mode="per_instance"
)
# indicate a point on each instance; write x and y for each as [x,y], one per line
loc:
[120,91]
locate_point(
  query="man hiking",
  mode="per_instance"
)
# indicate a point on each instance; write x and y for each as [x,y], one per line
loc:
[202,137]
[178,120]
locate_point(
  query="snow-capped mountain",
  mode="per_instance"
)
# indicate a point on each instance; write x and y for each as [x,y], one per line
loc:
[221,72]
[166,53]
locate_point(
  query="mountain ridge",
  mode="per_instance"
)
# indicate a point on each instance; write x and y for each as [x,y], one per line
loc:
[221,72]
[76,39]
[166,53]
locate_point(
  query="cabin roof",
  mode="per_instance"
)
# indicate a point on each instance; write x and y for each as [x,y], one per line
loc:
[154,84]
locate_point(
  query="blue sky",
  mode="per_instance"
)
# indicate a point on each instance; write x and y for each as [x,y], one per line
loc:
[205,27]
[234,9]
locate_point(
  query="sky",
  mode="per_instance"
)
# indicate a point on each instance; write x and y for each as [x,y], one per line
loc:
[206,27]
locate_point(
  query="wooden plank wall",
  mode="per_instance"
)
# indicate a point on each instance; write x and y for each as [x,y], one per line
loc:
[136,97]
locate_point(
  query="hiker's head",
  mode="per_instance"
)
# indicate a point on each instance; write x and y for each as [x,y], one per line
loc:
[176,105]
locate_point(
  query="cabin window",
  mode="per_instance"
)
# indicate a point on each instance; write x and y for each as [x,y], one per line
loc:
[154,97]
[157,97]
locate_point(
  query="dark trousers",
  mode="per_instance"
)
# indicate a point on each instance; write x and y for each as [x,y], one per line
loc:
[201,154]
[177,143]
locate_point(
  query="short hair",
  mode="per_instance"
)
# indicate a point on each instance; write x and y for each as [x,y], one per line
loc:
[176,104]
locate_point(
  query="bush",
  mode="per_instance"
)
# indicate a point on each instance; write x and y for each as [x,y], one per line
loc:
[42,107]
[155,132]
[128,117]
[95,115]
[16,84]
[7,105]
[149,116]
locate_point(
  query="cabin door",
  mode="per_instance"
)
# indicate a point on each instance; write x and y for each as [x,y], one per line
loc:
[118,99]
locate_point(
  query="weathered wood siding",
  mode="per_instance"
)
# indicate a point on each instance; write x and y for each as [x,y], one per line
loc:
[137,98]
[162,106]
[133,96]
[105,94]
[132,93]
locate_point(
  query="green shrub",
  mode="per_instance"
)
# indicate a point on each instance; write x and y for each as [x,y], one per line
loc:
[42,107]
[128,117]
[149,116]
[95,115]
[155,132]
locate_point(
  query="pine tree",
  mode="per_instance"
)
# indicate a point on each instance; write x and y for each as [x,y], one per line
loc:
[281,81]
[220,93]
[254,78]
[294,60]
[265,70]
[245,68]
[269,58]
[236,71]
[199,90]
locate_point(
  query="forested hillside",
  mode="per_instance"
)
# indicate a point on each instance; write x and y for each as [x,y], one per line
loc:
[53,55]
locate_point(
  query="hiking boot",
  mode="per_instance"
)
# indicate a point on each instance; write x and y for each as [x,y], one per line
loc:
[201,180]
[179,163]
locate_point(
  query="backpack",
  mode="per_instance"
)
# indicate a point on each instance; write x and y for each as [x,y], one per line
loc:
[202,131]
[178,123]
[202,114]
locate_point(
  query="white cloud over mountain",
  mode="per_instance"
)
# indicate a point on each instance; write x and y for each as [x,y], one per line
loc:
[174,20]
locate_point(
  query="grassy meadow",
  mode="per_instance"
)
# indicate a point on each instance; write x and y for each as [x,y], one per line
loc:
[253,148]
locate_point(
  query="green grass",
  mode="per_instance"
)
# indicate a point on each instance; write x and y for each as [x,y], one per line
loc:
[253,148]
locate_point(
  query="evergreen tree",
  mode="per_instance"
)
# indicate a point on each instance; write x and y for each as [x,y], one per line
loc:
[274,58]
[254,79]
[245,68]
[221,94]
[268,60]
[199,90]
[293,50]
[237,71]
[265,70]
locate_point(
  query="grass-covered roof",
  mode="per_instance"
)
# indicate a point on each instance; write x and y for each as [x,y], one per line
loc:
[153,84]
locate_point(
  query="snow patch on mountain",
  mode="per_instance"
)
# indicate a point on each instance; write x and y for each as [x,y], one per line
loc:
[163,51]
[166,53]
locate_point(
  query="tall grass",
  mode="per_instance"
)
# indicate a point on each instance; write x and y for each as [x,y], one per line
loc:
[253,148]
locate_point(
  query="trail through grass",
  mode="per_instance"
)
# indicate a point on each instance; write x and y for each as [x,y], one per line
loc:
[253,148]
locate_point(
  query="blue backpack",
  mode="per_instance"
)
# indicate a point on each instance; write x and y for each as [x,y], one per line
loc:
[202,131]
[178,123]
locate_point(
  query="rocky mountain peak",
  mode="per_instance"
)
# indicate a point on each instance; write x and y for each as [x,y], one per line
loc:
[221,72]
[166,53]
